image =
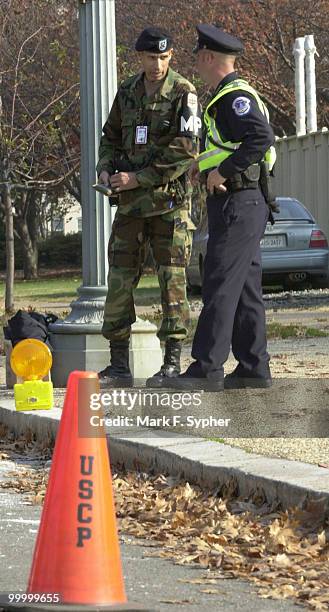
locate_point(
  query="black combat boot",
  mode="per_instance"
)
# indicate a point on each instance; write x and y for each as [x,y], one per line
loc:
[170,367]
[118,373]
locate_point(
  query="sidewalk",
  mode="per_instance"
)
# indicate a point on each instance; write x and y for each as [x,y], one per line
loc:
[193,458]
[284,467]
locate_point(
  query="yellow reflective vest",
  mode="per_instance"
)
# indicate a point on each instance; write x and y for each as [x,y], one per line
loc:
[216,149]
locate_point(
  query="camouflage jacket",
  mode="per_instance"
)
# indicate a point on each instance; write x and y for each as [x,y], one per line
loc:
[171,117]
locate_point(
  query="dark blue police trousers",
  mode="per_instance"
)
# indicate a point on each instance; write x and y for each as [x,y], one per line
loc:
[233,313]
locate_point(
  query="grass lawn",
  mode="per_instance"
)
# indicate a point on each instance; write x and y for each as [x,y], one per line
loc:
[44,290]
[51,290]
[49,293]
[55,294]
[275,330]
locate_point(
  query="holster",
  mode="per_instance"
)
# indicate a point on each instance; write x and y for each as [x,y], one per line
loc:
[248,179]
[266,186]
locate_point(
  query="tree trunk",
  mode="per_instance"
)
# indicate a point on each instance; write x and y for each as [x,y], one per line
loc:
[30,263]
[30,254]
[28,241]
[10,254]
[33,225]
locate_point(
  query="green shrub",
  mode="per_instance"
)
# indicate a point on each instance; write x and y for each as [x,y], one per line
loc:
[60,250]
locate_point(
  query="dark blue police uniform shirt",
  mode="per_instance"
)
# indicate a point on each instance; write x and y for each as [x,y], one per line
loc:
[239,119]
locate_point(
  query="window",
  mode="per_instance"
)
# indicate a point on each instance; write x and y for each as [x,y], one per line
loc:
[57,225]
[292,209]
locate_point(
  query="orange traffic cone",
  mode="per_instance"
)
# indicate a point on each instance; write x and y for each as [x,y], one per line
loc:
[77,553]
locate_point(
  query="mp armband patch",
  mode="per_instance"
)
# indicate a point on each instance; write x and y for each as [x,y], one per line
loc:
[190,123]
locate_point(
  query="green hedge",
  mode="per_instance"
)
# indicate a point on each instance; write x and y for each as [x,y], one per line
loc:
[58,250]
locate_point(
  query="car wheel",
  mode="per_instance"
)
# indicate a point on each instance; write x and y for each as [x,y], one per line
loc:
[296,281]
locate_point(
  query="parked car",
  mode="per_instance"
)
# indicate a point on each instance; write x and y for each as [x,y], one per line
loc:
[294,249]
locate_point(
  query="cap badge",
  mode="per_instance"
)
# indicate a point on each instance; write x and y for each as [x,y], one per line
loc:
[163,44]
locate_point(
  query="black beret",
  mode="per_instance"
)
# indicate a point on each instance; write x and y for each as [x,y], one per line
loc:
[154,40]
[215,39]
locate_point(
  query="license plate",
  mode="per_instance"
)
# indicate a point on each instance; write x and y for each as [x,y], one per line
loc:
[273,242]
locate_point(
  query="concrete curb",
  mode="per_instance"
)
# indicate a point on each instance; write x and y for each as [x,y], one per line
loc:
[208,464]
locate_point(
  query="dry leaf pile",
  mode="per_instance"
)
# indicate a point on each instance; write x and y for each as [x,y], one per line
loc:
[25,445]
[31,480]
[286,554]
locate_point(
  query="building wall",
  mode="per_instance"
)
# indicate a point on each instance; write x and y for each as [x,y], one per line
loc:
[302,171]
[71,220]
[70,223]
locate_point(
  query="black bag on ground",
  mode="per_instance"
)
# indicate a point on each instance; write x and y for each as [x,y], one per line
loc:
[29,325]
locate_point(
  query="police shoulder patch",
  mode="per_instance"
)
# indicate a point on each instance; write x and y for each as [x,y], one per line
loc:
[241,105]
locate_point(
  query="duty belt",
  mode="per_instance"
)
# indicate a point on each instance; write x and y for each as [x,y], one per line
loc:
[244,180]
[249,179]
[237,182]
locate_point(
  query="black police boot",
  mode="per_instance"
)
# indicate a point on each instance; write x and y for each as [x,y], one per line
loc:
[194,379]
[241,378]
[170,367]
[118,373]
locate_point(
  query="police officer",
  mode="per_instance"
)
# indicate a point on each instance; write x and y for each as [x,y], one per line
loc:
[238,139]
[150,140]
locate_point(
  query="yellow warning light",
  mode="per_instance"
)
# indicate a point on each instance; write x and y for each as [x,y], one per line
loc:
[31,359]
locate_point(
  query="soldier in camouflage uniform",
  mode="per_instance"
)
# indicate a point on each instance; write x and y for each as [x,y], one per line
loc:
[150,140]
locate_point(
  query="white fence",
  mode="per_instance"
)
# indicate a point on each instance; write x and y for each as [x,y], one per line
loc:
[302,171]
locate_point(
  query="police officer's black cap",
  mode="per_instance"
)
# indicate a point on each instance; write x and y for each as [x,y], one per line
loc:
[215,39]
[154,40]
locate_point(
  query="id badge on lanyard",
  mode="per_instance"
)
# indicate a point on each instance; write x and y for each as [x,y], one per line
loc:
[141,135]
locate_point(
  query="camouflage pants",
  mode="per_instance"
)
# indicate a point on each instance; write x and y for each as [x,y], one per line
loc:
[170,238]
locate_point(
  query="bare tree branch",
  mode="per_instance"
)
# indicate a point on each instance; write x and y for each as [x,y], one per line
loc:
[16,77]
[62,95]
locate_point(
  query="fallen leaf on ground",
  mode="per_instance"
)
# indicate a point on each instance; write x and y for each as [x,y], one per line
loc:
[284,554]
[211,591]
[177,602]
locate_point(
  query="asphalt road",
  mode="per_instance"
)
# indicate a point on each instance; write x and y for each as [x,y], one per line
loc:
[154,582]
